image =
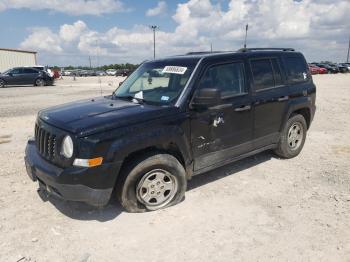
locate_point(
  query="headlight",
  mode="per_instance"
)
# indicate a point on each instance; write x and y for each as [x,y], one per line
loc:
[67,147]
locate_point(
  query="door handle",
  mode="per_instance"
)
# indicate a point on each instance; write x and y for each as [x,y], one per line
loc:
[283,98]
[243,108]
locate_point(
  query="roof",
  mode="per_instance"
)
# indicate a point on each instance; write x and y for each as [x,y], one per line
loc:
[240,51]
[18,50]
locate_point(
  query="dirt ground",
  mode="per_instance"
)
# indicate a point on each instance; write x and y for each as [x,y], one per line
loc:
[258,209]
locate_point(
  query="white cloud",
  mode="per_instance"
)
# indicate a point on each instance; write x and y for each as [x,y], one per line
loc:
[160,9]
[44,39]
[72,32]
[311,26]
[2,6]
[76,7]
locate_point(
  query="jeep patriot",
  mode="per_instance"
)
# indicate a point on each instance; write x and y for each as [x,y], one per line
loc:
[171,119]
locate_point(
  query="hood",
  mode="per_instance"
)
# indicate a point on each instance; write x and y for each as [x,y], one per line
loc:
[86,117]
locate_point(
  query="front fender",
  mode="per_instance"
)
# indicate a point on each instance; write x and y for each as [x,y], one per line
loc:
[160,138]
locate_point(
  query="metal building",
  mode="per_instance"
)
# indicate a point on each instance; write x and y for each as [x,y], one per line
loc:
[13,57]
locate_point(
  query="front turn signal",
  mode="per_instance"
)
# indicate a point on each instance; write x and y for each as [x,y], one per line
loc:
[88,162]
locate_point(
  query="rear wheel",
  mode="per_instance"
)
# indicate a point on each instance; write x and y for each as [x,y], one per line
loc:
[40,82]
[151,183]
[292,137]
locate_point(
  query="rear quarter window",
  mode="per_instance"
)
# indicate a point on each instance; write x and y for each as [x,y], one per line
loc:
[296,69]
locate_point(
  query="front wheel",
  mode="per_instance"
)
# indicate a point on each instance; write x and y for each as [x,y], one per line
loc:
[151,183]
[2,83]
[40,82]
[292,137]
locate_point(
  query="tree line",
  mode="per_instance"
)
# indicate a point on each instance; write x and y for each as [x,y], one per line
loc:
[104,67]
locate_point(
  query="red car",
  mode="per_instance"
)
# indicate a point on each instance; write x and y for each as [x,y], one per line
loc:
[313,69]
[322,70]
[317,70]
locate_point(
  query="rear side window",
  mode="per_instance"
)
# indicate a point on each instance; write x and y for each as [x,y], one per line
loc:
[296,69]
[262,73]
[229,78]
[29,71]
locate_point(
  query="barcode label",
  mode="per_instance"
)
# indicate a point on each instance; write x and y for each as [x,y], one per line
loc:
[174,70]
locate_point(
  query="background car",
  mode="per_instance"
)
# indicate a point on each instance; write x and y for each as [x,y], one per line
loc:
[100,73]
[111,72]
[320,70]
[313,69]
[342,68]
[25,76]
[330,69]
[347,65]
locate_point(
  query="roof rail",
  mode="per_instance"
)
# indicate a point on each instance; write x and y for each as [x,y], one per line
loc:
[266,49]
[203,52]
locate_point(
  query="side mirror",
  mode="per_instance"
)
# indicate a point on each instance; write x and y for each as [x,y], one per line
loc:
[206,97]
[10,74]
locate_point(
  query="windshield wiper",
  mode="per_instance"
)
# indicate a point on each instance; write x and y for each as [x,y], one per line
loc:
[131,98]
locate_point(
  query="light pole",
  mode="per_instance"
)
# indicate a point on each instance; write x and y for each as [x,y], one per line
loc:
[154,28]
[245,38]
[347,59]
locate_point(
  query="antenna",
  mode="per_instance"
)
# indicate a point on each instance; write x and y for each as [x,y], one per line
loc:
[98,65]
[245,38]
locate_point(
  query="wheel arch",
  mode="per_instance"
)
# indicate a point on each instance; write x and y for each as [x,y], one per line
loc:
[302,107]
[169,140]
[305,112]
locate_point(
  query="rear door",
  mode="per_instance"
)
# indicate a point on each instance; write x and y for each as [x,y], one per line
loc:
[270,98]
[29,76]
[223,132]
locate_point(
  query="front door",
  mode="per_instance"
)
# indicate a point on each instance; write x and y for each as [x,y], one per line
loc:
[222,132]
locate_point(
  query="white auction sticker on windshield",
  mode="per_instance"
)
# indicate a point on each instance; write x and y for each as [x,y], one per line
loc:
[180,70]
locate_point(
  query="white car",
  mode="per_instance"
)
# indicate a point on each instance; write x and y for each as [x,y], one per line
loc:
[111,72]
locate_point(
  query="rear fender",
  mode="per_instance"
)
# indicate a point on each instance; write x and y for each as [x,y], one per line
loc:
[295,105]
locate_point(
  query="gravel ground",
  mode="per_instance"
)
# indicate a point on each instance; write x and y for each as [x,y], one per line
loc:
[258,209]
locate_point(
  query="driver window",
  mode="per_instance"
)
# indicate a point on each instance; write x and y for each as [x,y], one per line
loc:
[15,71]
[229,78]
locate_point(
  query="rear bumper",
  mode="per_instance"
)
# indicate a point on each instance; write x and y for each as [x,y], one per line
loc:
[49,81]
[90,185]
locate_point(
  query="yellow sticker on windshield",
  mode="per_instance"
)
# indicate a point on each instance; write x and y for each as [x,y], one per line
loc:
[180,70]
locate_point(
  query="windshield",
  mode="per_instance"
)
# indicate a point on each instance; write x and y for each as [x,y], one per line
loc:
[157,82]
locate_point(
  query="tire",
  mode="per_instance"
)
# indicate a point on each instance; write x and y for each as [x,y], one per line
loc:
[140,184]
[292,138]
[40,82]
[2,83]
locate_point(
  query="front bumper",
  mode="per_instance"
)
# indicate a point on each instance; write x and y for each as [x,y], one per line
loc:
[90,185]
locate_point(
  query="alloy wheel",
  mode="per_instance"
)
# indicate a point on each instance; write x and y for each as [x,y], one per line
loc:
[295,136]
[156,189]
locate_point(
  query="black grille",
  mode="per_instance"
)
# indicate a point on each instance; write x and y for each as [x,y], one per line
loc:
[45,142]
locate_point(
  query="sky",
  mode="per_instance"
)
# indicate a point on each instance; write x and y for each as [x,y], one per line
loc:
[66,32]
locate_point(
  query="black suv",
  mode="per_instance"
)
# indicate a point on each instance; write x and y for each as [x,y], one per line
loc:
[143,142]
[25,76]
